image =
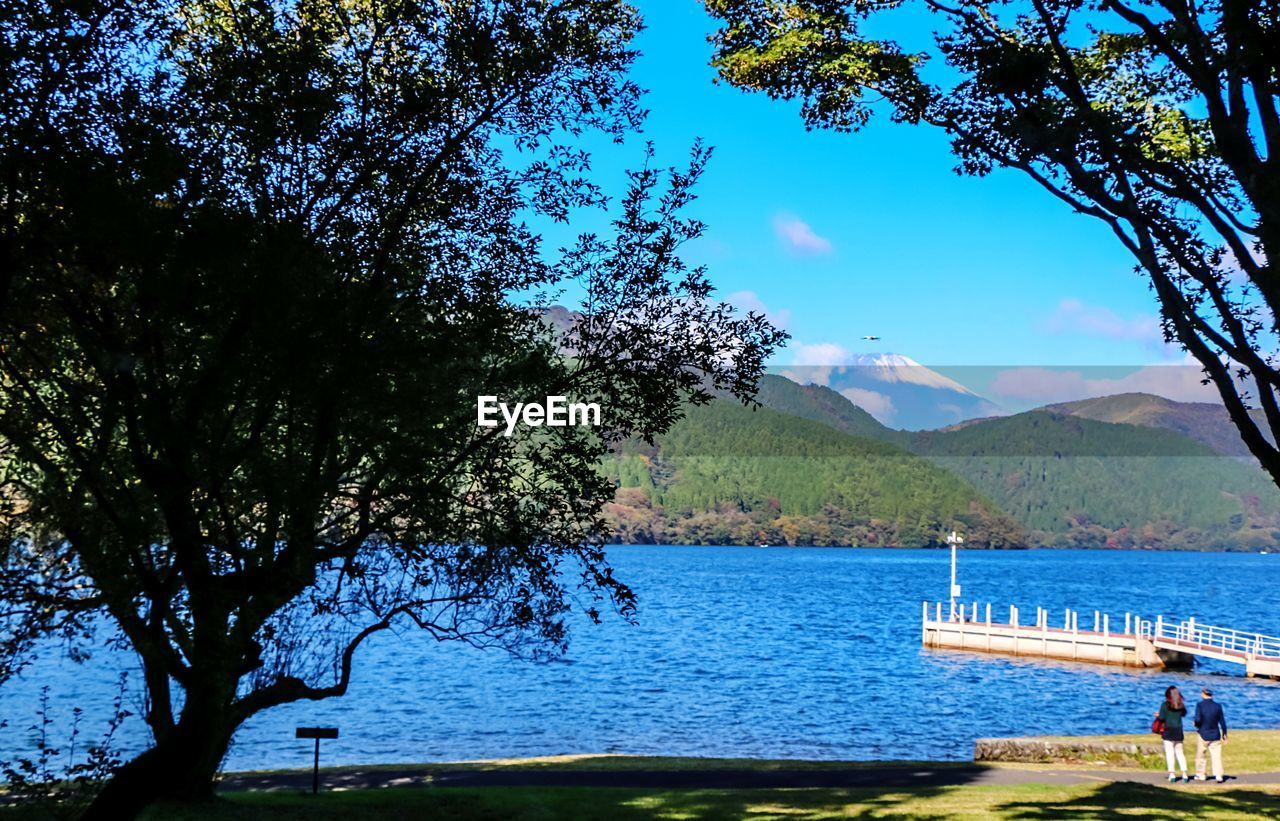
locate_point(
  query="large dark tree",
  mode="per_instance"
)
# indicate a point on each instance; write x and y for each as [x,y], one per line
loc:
[260,258]
[1158,117]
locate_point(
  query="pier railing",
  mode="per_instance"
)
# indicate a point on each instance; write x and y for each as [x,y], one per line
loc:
[969,626]
[1040,619]
[1133,641]
[1208,636]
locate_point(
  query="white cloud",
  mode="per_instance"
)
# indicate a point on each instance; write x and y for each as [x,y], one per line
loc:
[827,354]
[750,301]
[814,364]
[1074,316]
[1043,386]
[876,404]
[798,237]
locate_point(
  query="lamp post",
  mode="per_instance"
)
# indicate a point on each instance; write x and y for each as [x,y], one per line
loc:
[955,540]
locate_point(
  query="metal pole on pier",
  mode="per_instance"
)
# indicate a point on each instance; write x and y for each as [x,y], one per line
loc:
[955,540]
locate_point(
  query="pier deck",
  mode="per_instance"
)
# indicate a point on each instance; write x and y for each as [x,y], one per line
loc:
[1139,643]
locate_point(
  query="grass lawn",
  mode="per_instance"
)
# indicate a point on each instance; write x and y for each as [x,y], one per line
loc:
[1032,801]
[1246,751]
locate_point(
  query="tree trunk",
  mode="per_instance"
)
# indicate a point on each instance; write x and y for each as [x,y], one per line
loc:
[181,767]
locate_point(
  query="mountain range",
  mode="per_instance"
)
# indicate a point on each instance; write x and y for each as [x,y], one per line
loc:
[1206,423]
[812,467]
[898,391]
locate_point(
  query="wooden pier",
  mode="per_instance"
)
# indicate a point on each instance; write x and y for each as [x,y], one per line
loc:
[1135,642]
[1259,654]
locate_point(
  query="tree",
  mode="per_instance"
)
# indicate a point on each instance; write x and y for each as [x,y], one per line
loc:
[260,260]
[1157,117]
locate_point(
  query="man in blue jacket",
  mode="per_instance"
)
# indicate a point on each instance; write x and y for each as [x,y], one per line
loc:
[1211,725]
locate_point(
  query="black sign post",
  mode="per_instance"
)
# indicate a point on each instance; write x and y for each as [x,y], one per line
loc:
[317,733]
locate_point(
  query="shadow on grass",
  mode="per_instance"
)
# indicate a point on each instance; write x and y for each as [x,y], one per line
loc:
[663,776]
[1027,801]
[1020,801]
[560,804]
[1123,800]
[522,794]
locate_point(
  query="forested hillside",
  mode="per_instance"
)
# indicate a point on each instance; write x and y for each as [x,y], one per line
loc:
[1076,482]
[729,475]
[813,468]
[1206,423]
[821,404]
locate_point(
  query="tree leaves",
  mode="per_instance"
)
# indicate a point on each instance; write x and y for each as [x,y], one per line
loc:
[262,258]
[1157,118]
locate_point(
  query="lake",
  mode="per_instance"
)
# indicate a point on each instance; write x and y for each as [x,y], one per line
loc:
[757,652]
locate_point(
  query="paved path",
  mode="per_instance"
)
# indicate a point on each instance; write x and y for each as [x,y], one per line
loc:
[880,777]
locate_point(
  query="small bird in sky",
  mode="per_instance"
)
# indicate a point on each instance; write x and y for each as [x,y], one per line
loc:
[871,338]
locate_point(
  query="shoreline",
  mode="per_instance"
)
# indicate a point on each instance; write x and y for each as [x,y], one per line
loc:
[967,548]
[1254,751]
[619,787]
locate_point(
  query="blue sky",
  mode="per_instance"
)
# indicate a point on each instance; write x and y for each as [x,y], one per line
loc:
[841,236]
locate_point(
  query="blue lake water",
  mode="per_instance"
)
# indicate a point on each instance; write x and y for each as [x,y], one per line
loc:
[762,652]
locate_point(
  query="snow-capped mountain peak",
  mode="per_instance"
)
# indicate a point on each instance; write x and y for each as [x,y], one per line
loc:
[893,367]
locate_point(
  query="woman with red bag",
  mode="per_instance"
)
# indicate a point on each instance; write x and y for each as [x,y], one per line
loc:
[1168,723]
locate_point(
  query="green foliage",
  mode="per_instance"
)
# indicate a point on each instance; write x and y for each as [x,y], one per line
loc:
[797,476]
[1160,119]
[814,51]
[1052,434]
[821,404]
[59,782]
[260,258]
[1076,481]
[727,474]
[1204,422]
